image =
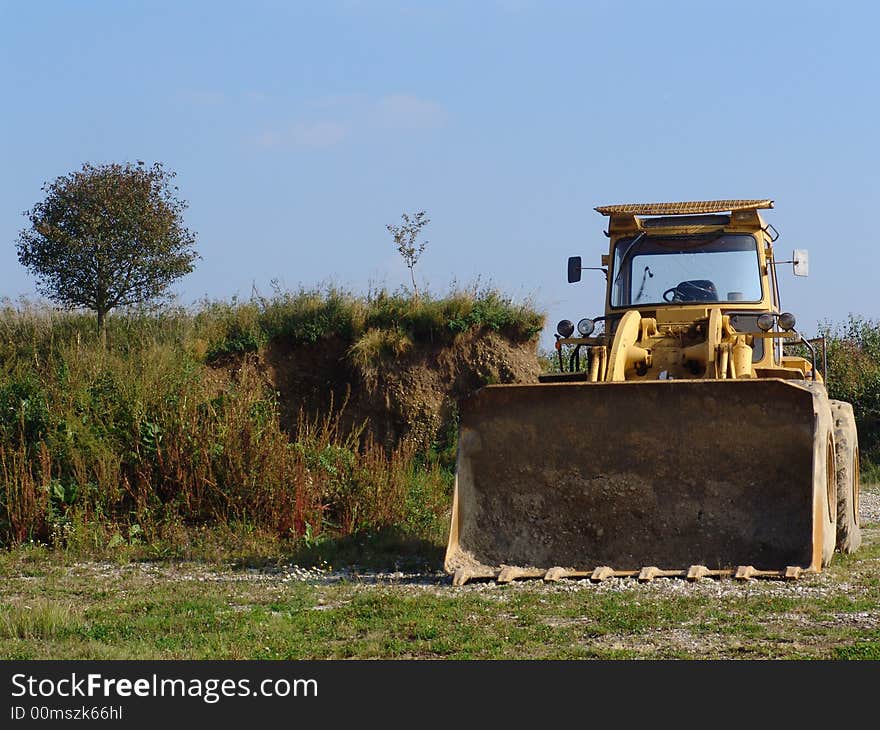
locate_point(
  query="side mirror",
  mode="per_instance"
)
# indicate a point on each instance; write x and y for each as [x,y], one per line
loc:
[801,262]
[574,269]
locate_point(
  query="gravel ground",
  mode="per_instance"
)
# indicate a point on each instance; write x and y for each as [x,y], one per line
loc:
[869,506]
[439,581]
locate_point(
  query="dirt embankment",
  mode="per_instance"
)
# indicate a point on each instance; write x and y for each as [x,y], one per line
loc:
[412,396]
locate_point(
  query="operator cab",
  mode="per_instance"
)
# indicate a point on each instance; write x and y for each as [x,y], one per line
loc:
[685,269]
[677,268]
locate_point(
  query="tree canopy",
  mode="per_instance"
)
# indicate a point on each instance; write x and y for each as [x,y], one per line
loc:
[108,236]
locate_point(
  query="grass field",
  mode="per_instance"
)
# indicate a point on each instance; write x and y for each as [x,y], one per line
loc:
[53,607]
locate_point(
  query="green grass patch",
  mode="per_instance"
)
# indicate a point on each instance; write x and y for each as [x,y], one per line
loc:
[864,650]
[217,610]
[379,325]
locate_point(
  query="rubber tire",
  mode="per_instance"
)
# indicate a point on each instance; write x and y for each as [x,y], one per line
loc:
[846,444]
[826,474]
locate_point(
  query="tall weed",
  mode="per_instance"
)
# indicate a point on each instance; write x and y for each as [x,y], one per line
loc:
[173,424]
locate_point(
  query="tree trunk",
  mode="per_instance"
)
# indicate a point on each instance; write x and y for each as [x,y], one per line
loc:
[412,276]
[102,328]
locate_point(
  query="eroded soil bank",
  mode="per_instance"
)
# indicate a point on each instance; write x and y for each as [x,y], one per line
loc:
[411,396]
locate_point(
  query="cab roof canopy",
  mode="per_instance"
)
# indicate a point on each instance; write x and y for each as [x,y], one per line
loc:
[683,208]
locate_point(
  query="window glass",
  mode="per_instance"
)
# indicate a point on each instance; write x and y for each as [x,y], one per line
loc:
[685,269]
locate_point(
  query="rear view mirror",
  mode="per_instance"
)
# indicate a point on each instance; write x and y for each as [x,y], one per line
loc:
[574,269]
[801,262]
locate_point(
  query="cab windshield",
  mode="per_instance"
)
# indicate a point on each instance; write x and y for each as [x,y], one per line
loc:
[685,269]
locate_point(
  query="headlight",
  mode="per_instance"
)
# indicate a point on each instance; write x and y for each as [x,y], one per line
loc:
[787,321]
[586,327]
[765,321]
[565,328]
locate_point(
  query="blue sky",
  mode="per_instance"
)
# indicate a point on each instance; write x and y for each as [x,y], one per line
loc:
[299,130]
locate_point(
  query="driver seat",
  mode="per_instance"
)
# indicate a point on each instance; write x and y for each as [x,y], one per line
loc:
[698,290]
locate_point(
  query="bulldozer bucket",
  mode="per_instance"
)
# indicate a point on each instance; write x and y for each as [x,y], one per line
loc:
[670,477]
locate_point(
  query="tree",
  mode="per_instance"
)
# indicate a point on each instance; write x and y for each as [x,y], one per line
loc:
[107,236]
[405,236]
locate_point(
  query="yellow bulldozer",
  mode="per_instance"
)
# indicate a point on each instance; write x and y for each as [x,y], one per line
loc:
[682,436]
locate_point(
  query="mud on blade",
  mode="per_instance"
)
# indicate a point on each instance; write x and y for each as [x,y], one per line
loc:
[665,473]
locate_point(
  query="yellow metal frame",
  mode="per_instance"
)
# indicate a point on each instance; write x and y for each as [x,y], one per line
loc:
[690,341]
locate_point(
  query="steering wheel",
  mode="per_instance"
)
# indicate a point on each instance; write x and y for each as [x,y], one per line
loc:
[672,295]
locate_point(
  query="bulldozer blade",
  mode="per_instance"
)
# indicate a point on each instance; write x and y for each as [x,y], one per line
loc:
[690,478]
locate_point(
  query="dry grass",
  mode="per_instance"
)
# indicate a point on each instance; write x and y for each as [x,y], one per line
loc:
[126,444]
[35,619]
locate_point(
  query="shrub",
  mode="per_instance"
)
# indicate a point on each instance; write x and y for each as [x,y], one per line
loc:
[107,447]
[854,375]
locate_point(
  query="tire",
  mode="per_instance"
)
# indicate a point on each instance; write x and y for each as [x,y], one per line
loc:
[846,440]
[827,482]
